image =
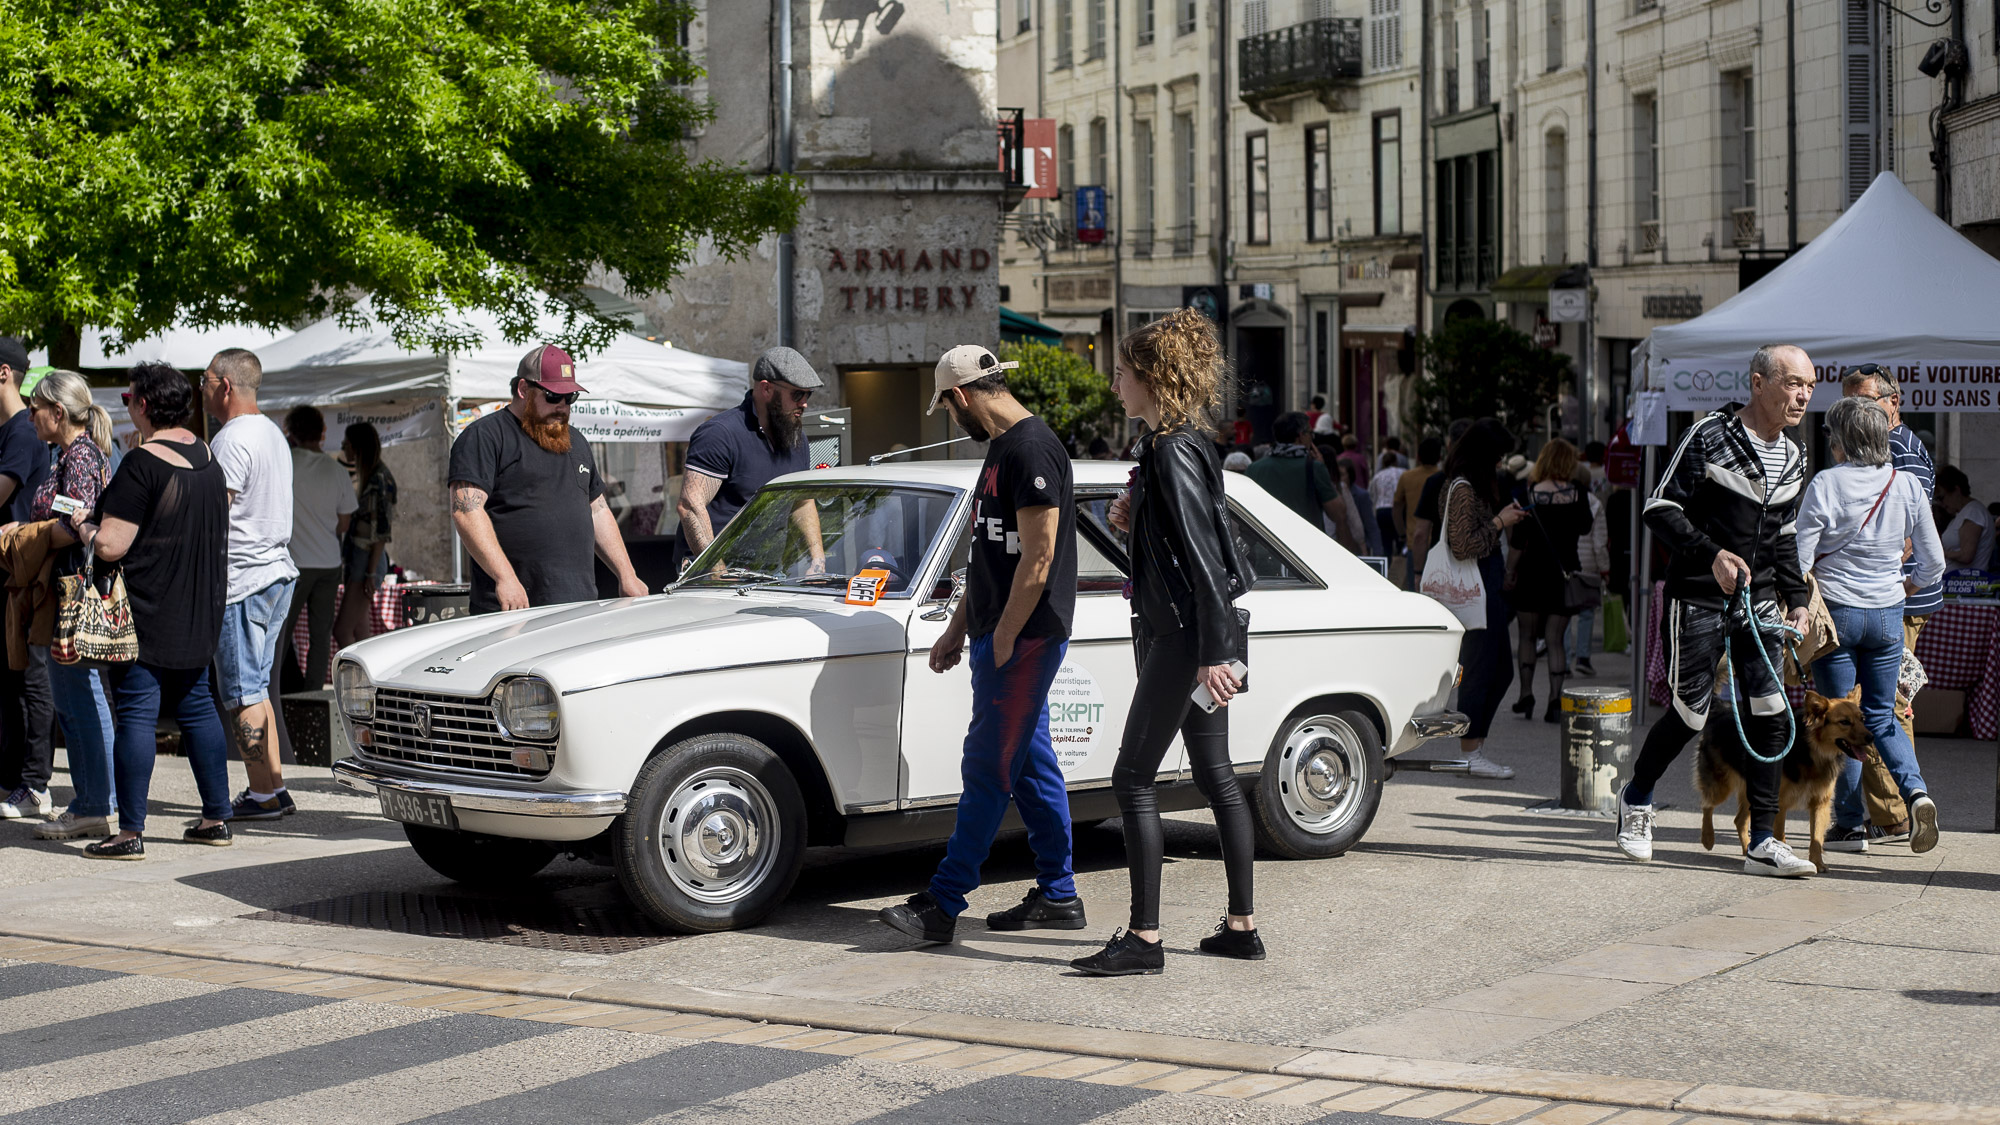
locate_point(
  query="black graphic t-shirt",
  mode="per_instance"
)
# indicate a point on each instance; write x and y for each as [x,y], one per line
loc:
[1026,467]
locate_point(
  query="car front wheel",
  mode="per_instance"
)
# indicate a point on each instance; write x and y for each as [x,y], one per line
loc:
[476,859]
[713,834]
[1320,786]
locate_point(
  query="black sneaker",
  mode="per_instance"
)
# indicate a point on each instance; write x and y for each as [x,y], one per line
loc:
[1125,955]
[1846,840]
[247,808]
[1243,945]
[1583,668]
[114,848]
[921,917]
[1038,911]
[1897,833]
[215,835]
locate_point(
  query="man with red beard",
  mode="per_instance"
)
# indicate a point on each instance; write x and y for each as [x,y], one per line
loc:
[737,452]
[527,501]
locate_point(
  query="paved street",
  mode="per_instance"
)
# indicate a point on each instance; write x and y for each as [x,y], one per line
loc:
[1467,947]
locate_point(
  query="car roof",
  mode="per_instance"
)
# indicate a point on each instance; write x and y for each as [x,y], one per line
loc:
[950,474]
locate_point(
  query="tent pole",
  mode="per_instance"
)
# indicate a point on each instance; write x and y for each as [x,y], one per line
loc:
[1640,627]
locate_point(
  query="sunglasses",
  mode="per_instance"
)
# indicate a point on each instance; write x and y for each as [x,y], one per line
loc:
[126,396]
[794,395]
[555,399]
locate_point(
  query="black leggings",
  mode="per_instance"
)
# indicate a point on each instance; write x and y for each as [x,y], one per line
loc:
[1160,706]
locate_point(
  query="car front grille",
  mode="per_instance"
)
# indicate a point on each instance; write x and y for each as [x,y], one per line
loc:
[465,735]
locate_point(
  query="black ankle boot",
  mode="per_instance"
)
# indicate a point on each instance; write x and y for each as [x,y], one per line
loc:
[1125,955]
[1554,712]
[1244,945]
[1524,706]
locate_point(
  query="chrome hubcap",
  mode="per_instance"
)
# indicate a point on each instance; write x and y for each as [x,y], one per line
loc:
[1321,780]
[717,835]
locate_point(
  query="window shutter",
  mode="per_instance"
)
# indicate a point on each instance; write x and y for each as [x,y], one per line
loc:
[1256,17]
[1385,35]
[1858,70]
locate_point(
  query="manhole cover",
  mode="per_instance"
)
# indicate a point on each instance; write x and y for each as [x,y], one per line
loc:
[535,925]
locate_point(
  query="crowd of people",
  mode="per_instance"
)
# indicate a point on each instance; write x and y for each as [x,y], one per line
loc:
[210,542]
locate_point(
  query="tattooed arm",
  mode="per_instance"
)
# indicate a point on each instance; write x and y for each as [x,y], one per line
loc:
[475,530]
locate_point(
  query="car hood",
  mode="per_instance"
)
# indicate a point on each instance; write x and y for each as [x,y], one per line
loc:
[588,645]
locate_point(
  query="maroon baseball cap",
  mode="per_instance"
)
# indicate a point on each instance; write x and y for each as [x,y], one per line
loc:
[551,367]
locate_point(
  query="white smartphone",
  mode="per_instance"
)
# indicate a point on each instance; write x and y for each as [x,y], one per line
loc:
[1205,699]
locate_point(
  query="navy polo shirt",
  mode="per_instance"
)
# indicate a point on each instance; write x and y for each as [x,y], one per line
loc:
[731,447]
[24,458]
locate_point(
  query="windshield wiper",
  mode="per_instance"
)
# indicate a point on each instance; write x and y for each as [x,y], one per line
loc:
[731,573]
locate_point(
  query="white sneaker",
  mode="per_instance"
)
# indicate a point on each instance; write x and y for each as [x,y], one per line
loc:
[1923,823]
[1635,829]
[24,802]
[70,826]
[1477,764]
[1774,857]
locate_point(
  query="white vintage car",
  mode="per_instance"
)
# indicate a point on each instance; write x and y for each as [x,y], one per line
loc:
[700,739]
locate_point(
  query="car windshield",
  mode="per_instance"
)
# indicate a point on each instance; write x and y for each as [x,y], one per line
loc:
[821,535]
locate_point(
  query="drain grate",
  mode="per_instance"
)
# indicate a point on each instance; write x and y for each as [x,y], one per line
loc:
[533,925]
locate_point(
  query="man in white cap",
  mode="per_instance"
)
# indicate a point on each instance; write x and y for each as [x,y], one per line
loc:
[1019,598]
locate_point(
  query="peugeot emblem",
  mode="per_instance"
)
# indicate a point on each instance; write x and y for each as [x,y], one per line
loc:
[422,715]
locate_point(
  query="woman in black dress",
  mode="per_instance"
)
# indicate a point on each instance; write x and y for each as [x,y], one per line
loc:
[1543,559]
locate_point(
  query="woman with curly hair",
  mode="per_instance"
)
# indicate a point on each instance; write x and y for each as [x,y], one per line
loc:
[1185,633]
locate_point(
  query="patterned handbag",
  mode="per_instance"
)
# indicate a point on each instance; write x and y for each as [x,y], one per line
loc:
[94,627]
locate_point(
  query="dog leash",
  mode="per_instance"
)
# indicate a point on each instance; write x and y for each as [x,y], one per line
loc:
[1763,628]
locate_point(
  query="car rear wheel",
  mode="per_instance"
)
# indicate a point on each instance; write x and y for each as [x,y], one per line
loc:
[476,859]
[713,834]
[1320,786]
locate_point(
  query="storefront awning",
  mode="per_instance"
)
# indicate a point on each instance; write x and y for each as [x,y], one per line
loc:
[1018,329]
[1530,284]
[1387,336]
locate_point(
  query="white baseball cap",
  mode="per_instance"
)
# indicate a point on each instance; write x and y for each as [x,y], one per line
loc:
[966,363]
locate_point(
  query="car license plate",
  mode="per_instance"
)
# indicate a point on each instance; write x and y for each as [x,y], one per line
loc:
[427,809]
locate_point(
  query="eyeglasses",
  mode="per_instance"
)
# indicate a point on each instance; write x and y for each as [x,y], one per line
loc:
[555,399]
[794,395]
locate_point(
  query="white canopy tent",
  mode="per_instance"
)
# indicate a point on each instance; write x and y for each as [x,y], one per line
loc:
[183,346]
[1888,283]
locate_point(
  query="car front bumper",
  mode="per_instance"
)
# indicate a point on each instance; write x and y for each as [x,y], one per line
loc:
[523,813]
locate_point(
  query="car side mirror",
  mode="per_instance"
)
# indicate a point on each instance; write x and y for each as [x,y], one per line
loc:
[950,606]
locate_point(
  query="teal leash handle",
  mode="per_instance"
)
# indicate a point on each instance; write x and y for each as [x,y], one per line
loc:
[1736,712]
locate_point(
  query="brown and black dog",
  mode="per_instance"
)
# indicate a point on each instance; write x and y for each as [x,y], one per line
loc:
[1829,732]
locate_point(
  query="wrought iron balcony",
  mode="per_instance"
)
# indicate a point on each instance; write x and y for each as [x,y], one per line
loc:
[1315,57]
[1482,81]
[1747,233]
[1183,238]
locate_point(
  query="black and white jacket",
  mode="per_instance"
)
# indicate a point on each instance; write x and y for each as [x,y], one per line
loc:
[1714,497]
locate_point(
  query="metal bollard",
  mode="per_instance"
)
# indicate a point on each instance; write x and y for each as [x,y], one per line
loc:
[1596,748]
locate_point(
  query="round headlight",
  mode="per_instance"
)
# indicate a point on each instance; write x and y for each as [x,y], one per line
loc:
[526,708]
[352,689]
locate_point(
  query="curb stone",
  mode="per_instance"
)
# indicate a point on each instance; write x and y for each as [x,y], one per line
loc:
[724,1009]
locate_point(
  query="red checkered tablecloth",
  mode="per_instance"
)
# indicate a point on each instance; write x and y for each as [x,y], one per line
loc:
[388,615]
[1960,651]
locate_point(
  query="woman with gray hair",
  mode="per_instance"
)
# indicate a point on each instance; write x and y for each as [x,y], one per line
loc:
[1852,525]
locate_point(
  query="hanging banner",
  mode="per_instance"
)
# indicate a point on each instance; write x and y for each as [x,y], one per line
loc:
[1708,383]
[605,420]
[397,423]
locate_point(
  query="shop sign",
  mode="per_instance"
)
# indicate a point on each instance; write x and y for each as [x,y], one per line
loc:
[398,424]
[1547,336]
[1038,137]
[1670,306]
[1090,211]
[876,262]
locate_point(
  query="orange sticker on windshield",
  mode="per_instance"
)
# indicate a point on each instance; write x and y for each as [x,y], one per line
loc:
[866,588]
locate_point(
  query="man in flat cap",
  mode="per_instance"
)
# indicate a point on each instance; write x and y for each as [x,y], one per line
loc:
[737,452]
[527,501]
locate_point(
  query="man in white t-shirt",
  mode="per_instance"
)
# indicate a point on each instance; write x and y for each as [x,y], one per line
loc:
[323,502]
[257,466]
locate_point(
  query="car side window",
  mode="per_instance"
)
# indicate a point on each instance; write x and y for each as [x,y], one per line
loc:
[1273,568]
[1100,547]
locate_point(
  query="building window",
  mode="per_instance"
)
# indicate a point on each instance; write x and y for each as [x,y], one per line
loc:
[1385,35]
[1555,182]
[1257,164]
[1145,22]
[1100,160]
[1065,32]
[1554,47]
[1143,189]
[1256,17]
[1023,16]
[1389,172]
[1066,160]
[1646,157]
[1320,349]
[1739,157]
[1862,106]
[1319,184]
[1448,66]
[1468,235]
[1185,14]
[1184,183]
[1482,56]
[1096,41]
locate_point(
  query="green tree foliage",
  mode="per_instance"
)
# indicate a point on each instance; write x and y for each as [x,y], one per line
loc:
[1063,388]
[265,161]
[1484,369]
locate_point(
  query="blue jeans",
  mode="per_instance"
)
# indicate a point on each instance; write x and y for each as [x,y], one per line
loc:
[84,709]
[248,646]
[1008,754]
[1580,628]
[138,693]
[1871,653]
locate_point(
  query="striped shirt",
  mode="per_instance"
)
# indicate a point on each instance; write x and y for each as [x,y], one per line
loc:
[1775,456]
[1908,455]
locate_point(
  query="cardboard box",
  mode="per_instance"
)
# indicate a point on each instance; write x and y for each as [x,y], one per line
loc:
[1940,712]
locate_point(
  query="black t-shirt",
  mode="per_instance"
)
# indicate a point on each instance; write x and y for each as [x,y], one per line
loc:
[25,457]
[539,503]
[1427,503]
[177,569]
[731,447]
[1026,467]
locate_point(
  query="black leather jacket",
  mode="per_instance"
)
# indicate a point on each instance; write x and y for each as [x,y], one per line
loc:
[1182,562]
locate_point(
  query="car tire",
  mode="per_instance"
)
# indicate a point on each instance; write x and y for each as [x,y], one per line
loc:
[713,834]
[476,859]
[1320,786]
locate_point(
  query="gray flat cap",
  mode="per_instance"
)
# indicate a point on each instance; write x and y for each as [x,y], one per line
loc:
[783,365]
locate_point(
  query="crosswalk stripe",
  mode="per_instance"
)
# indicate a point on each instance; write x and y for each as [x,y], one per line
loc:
[202,1093]
[448,1084]
[28,978]
[60,1005]
[851,1092]
[639,1091]
[83,1075]
[145,1024]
